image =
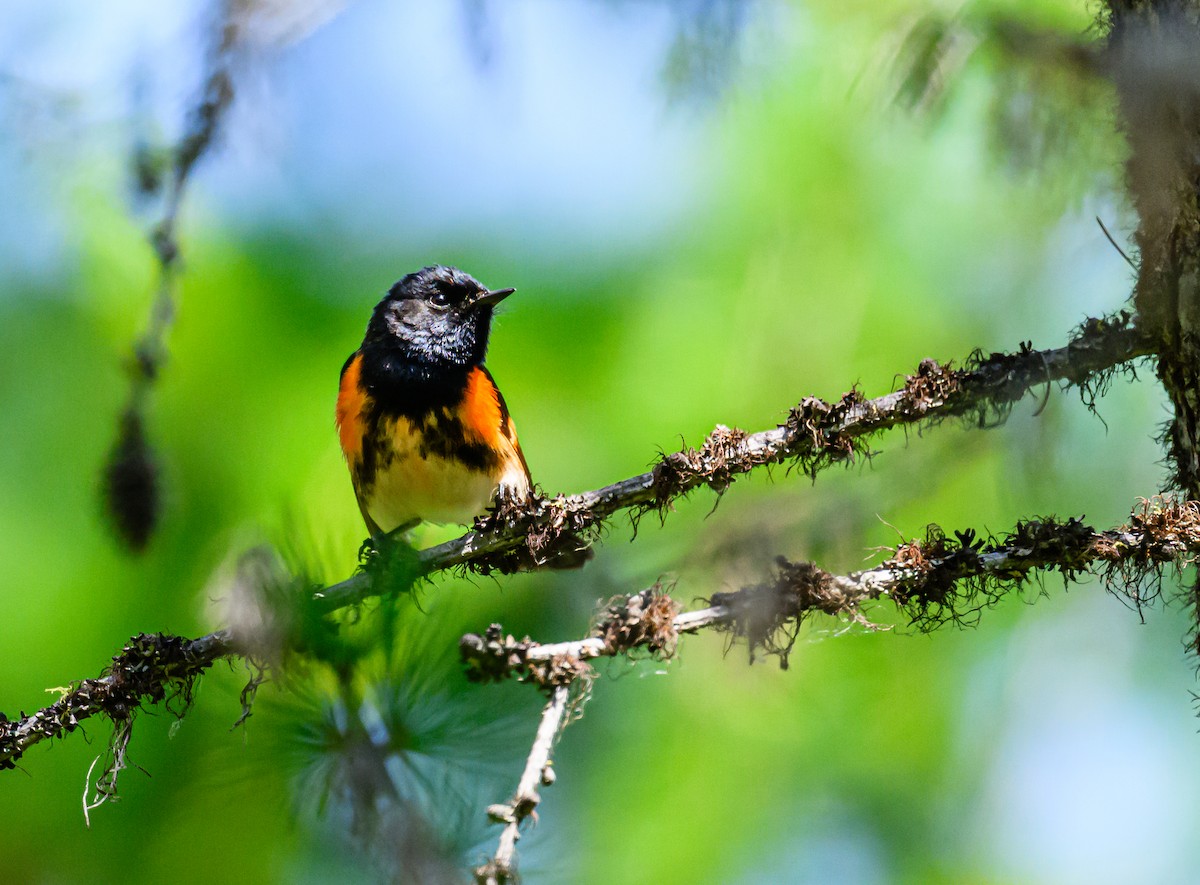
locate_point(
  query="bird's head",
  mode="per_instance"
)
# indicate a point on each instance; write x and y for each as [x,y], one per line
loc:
[436,319]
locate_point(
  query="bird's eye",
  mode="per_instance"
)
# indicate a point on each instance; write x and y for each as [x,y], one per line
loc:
[439,298]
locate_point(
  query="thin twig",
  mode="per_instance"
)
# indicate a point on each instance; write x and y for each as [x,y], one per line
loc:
[500,868]
[1115,245]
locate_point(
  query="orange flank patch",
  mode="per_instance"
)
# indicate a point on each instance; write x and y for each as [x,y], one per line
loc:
[350,402]
[510,431]
[480,412]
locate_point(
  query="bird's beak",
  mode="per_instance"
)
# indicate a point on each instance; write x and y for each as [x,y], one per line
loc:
[488,299]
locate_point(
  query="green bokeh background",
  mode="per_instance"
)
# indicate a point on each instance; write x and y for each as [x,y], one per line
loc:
[835,237]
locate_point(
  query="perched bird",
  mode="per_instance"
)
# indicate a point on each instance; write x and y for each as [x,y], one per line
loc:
[426,434]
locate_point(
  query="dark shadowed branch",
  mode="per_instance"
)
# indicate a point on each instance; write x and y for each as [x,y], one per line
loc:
[1154,46]
[131,476]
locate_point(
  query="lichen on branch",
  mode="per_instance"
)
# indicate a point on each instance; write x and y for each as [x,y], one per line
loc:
[533,533]
[938,579]
[933,581]
[541,531]
[151,668]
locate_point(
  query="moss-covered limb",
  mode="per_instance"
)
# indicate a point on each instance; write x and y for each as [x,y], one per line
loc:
[933,580]
[646,620]
[943,579]
[530,534]
[151,668]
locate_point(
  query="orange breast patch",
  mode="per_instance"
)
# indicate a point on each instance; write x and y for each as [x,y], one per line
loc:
[480,412]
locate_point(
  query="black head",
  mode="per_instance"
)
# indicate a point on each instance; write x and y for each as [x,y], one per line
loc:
[434,320]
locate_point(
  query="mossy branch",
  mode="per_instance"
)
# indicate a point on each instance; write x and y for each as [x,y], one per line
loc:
[151,668]
[932,581]
[529,534]
[522,535]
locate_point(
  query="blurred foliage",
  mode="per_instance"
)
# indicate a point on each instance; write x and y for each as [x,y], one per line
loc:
[838,237]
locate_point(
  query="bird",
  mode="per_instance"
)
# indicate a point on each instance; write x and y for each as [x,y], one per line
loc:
[424,429]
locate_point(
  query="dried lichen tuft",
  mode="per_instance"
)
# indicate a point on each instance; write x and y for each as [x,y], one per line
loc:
[816,431]
[716,464]
[558,532]
[931,387]
[643,620]
[496,656]
[768,615]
